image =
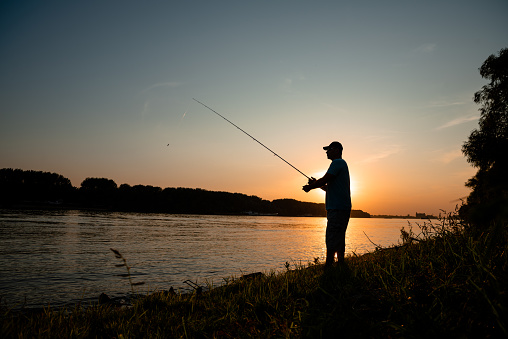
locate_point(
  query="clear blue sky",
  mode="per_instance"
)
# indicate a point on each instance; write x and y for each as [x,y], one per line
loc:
[100,88]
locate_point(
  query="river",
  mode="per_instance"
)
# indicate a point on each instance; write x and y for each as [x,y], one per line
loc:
[60,258]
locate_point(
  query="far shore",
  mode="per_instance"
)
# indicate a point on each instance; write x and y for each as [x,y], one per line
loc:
[49,205]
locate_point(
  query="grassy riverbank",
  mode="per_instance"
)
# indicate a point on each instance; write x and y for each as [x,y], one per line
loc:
[444,280]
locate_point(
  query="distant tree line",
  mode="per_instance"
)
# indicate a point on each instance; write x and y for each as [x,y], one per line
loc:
[29,188]
[17,186]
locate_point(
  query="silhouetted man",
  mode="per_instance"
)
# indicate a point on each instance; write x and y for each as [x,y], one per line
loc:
[338,201]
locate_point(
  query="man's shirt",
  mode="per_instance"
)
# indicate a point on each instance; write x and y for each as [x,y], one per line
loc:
[338,193]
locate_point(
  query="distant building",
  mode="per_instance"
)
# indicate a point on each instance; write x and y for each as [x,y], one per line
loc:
[424,216]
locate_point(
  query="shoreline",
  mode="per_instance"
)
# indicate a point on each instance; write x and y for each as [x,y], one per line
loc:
[74,207]
[128,299]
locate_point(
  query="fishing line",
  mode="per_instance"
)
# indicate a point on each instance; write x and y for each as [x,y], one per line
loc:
[256,140]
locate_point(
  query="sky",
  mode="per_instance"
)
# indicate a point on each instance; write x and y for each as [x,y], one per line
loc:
[105,89]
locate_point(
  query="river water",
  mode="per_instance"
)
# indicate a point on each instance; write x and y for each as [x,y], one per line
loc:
[60,258]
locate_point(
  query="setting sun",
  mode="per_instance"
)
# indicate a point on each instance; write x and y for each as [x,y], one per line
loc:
[352,184]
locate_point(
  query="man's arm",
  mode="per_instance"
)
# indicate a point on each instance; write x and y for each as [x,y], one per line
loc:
[319,183]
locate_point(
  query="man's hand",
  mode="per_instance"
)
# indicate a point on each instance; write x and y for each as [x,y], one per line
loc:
[308,187]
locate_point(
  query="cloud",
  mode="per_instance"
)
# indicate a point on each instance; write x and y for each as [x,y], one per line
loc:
[459,121]
[446,103]
[388,151]
[146,108]
[447,157]
[172,84]
[288,82]
[286,85]
[425,48]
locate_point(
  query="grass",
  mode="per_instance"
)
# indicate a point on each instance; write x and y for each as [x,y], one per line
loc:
[119,256]
[443,280]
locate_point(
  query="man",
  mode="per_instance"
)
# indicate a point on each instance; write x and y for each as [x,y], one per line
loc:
[338,202]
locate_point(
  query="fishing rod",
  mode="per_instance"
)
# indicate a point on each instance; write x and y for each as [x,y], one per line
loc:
[256,140]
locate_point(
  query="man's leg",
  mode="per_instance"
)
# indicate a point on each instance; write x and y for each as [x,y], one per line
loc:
[335,235]
[340,257]
[330,258]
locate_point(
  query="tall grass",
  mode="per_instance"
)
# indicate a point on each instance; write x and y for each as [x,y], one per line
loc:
[119,256]
[444,279]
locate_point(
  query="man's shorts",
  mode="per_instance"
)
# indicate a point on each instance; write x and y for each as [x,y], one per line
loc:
[336,229]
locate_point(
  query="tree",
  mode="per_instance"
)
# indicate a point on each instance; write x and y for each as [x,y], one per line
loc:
[486,148]
[17,186]
[99,192]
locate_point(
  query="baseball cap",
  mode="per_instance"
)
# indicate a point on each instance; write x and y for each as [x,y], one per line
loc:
[333,145]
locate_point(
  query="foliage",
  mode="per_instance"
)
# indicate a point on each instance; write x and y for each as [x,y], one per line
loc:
[486,146]
[37,188]
[98,184]
[292,207]
[100,191]
[18,185]
[442,281]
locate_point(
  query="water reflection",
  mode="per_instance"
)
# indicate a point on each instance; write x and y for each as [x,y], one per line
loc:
[61,256]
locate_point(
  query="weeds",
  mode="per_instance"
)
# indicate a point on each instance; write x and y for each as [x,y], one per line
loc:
[118,255]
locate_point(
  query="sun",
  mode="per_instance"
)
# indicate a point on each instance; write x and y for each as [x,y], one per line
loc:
[353,184]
